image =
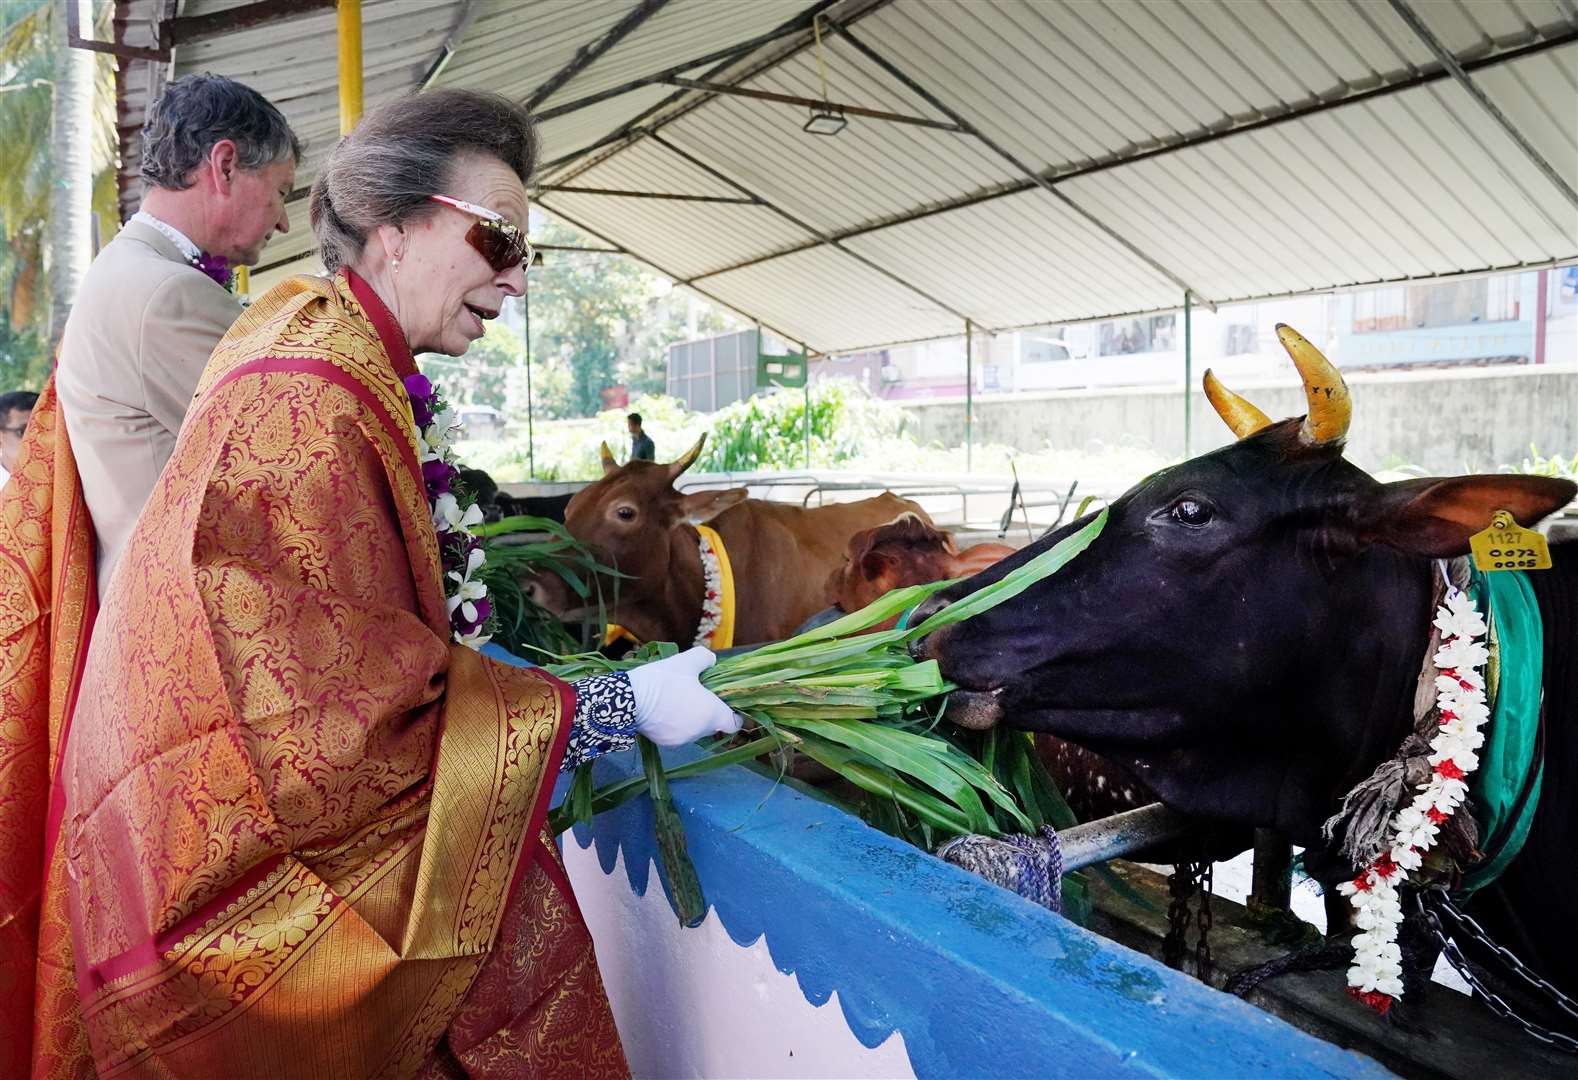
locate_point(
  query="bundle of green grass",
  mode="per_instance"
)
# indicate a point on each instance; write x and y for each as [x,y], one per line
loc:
[860,705]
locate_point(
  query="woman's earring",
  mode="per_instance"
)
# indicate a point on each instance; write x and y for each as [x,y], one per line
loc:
[397,264]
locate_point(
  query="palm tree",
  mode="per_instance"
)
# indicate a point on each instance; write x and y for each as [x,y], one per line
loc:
[32,40]
[71,167]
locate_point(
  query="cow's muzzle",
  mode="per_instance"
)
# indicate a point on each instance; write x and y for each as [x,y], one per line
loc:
[975,710]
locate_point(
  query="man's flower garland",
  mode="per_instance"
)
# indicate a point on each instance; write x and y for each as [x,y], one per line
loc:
[460,551]
[712,593]
[1376,977]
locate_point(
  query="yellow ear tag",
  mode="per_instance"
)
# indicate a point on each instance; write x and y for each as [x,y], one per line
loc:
[1506,545]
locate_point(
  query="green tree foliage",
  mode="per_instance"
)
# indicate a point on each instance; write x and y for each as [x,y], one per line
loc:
[31,48]
[599,321]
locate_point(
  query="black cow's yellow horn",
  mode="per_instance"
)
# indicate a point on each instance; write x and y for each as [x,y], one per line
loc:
[1236,412]
[606,456]
[1331,407]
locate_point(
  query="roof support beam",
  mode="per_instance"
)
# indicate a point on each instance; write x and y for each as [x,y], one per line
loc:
[1450,63]
[620,193]
[732,53]
[822,238]
[589,54]
[813,103]
[1035,178]
[633,128]
[1114,161]
[189,29]
[446,51]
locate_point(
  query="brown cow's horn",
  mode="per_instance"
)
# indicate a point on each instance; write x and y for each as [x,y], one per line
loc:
[607,456]
[1331,407]
[686,460]
[1236,412]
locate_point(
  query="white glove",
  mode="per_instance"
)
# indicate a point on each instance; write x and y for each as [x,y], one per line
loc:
[672,707]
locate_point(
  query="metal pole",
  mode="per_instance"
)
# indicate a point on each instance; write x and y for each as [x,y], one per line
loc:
[350,34]
[1272,875]
[1119,835]
[531,435]
[1541,311]
[805,359]
[1188,378]
[969,397]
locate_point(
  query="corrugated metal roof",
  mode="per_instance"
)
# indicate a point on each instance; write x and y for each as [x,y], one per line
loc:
[829,301]
[1243,148]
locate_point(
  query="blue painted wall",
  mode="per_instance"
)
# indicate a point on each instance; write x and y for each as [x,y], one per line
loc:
[979,982]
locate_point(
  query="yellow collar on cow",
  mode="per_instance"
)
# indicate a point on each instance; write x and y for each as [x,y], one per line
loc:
[716,629]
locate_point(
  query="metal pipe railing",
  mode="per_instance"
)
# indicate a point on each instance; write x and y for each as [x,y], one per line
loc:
[1120,835]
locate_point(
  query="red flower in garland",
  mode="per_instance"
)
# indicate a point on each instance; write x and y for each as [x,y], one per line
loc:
[1374,999]
[1448,768]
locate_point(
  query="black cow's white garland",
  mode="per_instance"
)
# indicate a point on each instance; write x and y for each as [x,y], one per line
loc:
[1376,977]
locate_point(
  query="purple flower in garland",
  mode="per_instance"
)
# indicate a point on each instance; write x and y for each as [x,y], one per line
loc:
[438,475]
[482,610]
[454,510]
[216,267]
[423,403]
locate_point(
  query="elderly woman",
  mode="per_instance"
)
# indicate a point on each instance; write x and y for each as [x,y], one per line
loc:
[303,824]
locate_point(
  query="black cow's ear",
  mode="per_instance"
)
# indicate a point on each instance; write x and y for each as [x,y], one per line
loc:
[1435,516]
[701,507]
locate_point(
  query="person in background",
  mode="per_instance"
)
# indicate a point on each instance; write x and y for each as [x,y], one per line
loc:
[218,161]
[15,408]
[641,448]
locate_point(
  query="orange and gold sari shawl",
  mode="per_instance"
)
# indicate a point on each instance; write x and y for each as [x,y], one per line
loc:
[47,605]
[305,831]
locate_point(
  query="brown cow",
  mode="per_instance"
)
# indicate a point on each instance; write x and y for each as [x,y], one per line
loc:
[635,520]
[906,551]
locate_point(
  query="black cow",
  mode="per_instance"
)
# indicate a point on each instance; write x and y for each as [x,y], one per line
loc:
[496,505]
[1247,632]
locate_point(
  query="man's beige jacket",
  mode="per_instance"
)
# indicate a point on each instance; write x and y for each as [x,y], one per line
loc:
[141,330]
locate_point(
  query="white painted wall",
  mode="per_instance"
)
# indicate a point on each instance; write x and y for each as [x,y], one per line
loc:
[692,1003]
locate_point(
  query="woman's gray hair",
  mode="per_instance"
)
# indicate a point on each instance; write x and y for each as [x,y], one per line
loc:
[404,151]
[194,113]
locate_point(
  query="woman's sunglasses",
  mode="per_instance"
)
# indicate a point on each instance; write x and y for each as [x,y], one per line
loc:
[504,245]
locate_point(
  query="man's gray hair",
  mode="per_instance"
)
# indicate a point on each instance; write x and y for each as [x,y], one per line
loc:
[197,111]
[404,151]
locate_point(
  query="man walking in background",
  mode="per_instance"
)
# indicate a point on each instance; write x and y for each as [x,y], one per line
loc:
[641,448]
[217,163]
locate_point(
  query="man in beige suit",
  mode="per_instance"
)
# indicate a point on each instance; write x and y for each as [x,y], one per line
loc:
[217,164]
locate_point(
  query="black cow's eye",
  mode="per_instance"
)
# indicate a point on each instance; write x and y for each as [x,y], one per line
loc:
[1192,512]
[626,513]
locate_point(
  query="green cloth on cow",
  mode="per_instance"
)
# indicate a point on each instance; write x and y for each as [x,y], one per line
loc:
[1506,759]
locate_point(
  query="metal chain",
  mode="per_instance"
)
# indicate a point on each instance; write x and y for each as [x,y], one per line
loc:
[1514,965]
[1179,885]
[1185,882]
[1460,964]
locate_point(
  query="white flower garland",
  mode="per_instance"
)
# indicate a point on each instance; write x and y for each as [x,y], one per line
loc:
[465,596]
[1376,976]
[712,593]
